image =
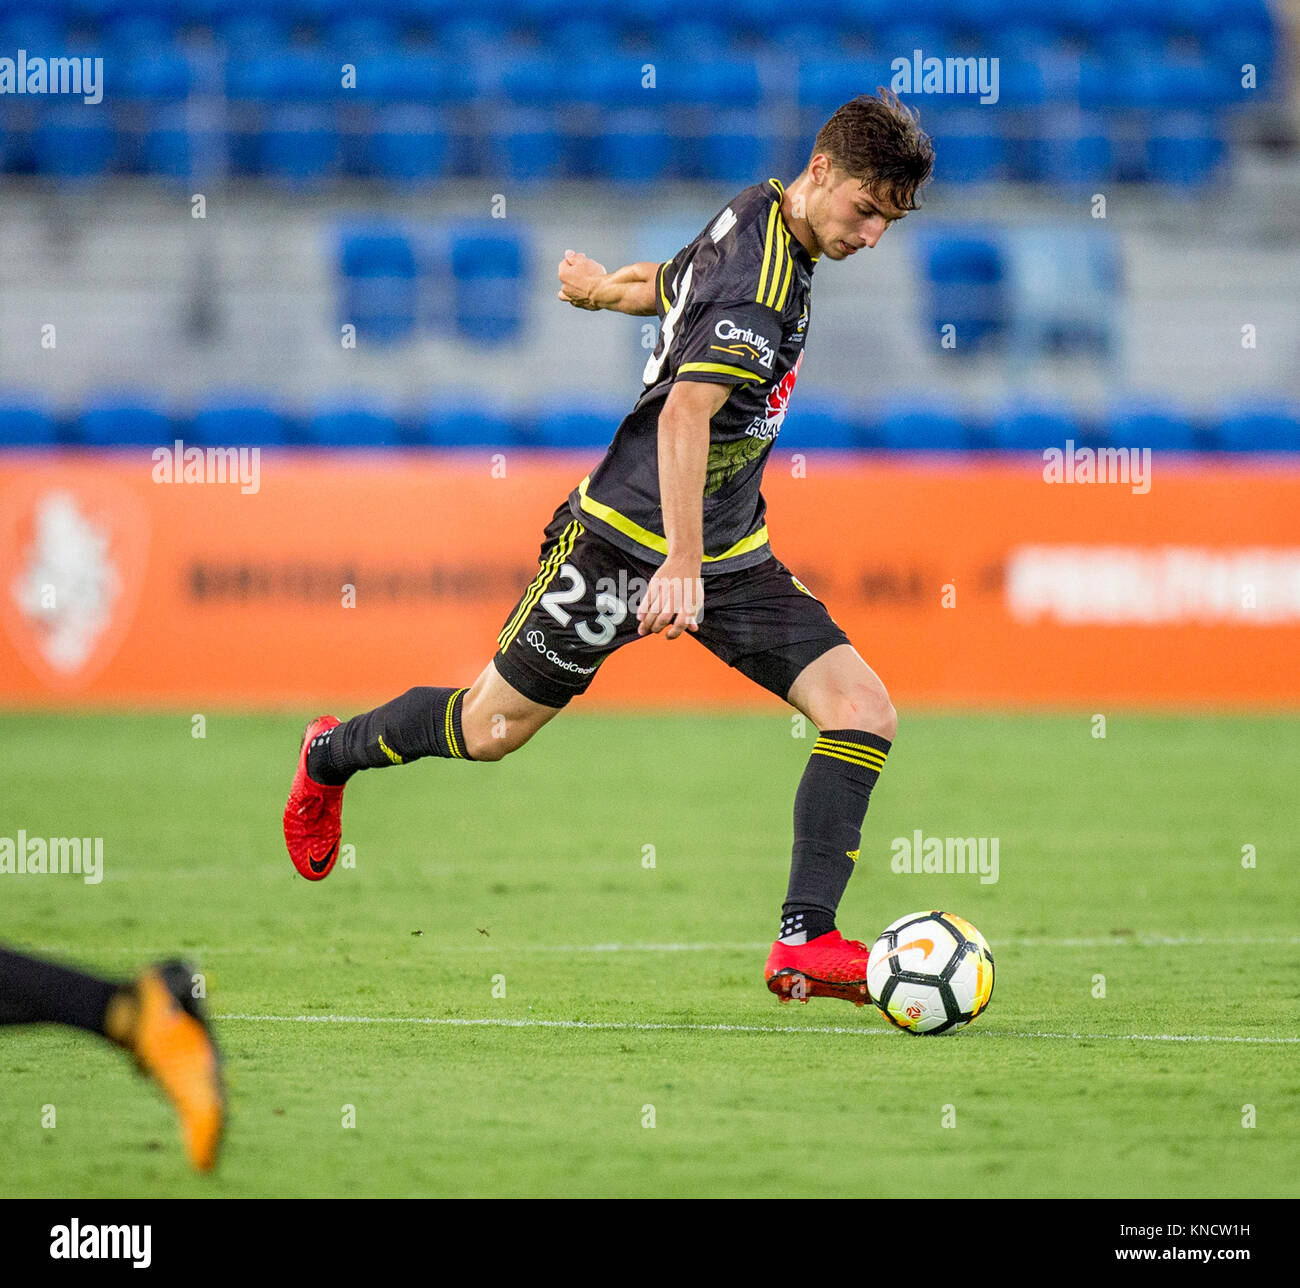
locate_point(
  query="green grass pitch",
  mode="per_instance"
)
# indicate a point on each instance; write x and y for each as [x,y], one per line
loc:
[1119,857]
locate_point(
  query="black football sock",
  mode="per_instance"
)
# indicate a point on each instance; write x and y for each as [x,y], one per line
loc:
[422,722]
[828,811]
[36,992]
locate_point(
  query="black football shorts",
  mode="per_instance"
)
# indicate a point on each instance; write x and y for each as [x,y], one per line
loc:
[582,604]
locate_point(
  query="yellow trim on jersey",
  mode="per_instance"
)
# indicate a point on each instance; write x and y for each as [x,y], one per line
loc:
[789,264]
[545,575]
[779,186]
[652,540]
[663,295]
[721,368]
[769,242]
[451,726]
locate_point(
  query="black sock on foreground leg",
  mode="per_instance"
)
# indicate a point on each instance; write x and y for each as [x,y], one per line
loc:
[422,722]
[35,992]
[829,808]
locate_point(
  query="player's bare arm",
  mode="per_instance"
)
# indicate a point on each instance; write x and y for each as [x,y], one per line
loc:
[586,285]
[676,592]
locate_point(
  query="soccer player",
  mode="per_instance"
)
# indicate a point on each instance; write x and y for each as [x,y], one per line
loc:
[152,1017]
[674,510]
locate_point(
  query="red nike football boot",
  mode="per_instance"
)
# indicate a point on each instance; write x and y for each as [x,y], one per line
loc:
[313,817]
[828,966]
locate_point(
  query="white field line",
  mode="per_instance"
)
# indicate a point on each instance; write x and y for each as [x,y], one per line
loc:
[631,1026]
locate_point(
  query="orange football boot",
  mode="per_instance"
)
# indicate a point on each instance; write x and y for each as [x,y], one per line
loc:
[162,1026]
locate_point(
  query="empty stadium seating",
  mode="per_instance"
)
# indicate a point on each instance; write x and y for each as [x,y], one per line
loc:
[464,419]
[1088,90]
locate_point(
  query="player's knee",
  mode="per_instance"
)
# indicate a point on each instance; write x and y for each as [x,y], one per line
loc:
[868,708]
[492,745]
[496,739]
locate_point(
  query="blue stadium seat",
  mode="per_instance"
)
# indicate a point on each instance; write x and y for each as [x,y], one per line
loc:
[800,33]
[1232,45]
[965,277]
[299,147]
[1072,150]
[816,421]
[74,142]
[31,31]
[536,80]
[239,420]
[1143,422]
[125,30]
[166,148]
[633,148]
[688,33]
[488,278]
[658,15]
[124,420]
[734,150]
[725,82]
[914,425]
[285,76]
[248,34]
[919,424]
[465,419]
[409,145]
[827,82]
[362,34]
[1018,427]
[352,424]
[1088,17]
[586,32]
[1184,151]
[400,77]
[155,72]
[1129,80]
[900,35]
[378,271]
[469,36]
[970,144]
[1259,427]
[315,12]
[570,424]
[526,145]
[747,18]
[25,421]
[1190,84]
[614,81]
[1022,82]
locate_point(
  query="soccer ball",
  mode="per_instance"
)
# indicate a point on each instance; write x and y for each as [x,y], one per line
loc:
[930,972]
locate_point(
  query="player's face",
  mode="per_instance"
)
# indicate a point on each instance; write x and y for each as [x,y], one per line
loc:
[845,216]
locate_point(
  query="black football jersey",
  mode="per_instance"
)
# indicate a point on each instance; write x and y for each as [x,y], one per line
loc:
[734,309]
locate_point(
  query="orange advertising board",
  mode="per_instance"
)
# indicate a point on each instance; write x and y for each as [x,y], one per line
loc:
[346,578]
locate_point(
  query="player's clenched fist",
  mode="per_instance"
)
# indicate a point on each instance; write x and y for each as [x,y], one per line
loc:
[673,601]
[578,278]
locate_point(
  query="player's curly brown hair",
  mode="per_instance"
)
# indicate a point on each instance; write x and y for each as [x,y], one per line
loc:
[878,140]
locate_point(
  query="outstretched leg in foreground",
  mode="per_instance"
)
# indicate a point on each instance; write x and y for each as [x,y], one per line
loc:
[154,1017]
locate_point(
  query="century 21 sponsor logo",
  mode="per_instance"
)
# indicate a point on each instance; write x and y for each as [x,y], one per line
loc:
[742,337]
